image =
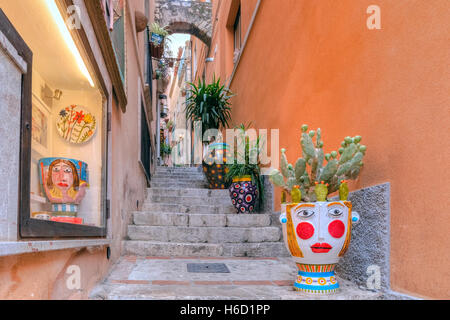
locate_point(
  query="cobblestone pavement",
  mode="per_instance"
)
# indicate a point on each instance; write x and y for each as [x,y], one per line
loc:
[166,278]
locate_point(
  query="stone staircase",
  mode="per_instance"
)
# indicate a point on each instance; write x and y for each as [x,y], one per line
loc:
[181,217]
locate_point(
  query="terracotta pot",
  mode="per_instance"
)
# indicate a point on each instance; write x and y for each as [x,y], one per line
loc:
[64,182]
[243,193]
[317,235]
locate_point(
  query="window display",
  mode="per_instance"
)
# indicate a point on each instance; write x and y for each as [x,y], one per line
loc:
[68,121]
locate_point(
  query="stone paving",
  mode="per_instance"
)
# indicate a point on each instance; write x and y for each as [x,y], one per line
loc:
[167,278]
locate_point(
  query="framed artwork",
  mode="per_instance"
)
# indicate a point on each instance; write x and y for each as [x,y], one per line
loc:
[40,124]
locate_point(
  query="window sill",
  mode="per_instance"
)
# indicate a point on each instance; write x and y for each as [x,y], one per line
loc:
[10,248]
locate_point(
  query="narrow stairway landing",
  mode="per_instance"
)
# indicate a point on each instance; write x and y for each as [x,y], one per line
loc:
[167,278]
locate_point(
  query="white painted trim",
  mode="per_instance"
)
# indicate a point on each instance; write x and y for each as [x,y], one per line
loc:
[255,12]
[9,49]
[10,248]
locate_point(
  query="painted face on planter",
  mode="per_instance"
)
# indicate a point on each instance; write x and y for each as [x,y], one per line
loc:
[318,233]
[62,176]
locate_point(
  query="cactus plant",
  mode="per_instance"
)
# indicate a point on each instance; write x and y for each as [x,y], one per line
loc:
[296,194]
[321,191]
[343,190]
[317,174]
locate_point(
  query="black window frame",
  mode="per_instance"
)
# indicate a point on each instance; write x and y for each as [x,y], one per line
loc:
[34,228]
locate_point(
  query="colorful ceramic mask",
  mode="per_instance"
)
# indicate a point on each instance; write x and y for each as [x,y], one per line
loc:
[317,234]
[64,182]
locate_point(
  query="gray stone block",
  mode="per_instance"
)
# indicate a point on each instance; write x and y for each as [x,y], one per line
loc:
[166,249]
[207,220]
[266,249]
[158,219]
[370,244]
[248,220]
[203,234]
[189,200]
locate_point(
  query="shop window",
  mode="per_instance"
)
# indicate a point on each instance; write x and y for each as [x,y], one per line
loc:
[63,157]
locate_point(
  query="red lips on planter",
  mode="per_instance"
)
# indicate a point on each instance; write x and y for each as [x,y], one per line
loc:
[321,247]
[63,184]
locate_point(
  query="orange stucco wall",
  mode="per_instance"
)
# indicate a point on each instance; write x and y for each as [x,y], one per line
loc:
[316,62]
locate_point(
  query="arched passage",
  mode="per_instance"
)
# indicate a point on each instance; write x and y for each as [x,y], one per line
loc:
[191,17]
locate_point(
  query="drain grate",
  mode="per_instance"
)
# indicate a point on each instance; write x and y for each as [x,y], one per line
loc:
[207,268]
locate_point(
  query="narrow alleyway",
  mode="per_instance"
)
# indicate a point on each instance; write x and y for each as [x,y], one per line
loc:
[182,224]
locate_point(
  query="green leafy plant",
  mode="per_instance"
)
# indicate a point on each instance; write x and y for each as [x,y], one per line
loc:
[251,152]
[209,104]
[165,149]
[157,29]
[311,176]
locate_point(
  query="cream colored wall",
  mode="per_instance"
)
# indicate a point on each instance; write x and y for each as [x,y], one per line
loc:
[316,62]
[42,275]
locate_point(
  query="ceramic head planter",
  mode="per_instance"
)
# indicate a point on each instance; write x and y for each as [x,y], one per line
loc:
[64,182]
[316,230]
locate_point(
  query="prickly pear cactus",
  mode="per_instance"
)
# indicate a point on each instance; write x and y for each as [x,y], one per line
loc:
[317,169]
[296,194]
[321,191]
[343,191]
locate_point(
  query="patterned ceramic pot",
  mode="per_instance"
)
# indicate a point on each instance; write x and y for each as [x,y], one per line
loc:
[214,166]
[243,193]
[64,182]
[317,235]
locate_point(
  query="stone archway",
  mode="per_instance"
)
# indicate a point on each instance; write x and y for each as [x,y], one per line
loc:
[191,17]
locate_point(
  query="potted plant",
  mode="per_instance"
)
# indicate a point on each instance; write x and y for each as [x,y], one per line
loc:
[166,151]
[169,125]
[317,231]
[247,185]
[210,104]
[158,35]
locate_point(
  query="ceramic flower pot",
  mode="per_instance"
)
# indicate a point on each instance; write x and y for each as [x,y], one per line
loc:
[317,235]
[214,166]
[64,182]
[244,194]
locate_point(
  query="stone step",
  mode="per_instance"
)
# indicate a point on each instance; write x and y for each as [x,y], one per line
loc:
[180,208]
[178,170]
[178,180]
[187,192]
[225,200]
[202,220]
[204,234]
[178,185]
[155,248]
[179,176]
